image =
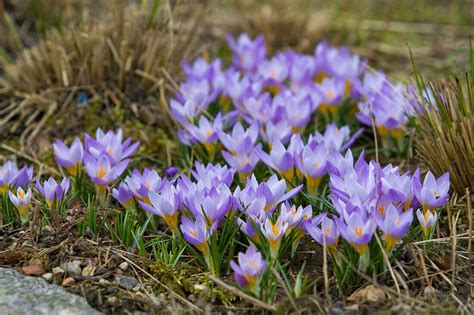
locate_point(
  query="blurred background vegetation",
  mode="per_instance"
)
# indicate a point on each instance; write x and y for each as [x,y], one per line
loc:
[68,66]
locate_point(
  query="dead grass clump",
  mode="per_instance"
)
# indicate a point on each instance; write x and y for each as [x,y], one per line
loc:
[446,133]
[130,52]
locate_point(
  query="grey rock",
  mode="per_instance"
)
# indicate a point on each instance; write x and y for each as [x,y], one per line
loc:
[126,282]
[72,267]
[23,295]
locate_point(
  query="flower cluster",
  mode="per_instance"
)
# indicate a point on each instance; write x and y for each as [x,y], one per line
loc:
[276,97]
[104,157]
[368,197]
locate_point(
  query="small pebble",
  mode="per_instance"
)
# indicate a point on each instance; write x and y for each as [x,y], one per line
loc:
[126,282]
[33,270]
[124,266]
[102,281]
[88,271]
[119,272]
[48,276]
[68,282]
[136,288]
[58,271]
[72,267]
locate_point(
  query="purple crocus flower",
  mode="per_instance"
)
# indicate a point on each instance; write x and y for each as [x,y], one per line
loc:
[213,205]
[101,171]
[280,159]
[312,165]
[8,172]
[213,175]
[171,172]
[69,157]
[110,144]
[206,132]
[327,232]
[185,113]
[247,54]
[140,184]
[244,163]
[21,201]
[164,204]
[197,232]
[393,224]
[295,216]
[274,232]
[357,231]
[434,192]
[52,191]
[23,177]
[332,91]
[273,72]
[240,141]
[249,268]
[427,220]
[398,188]
[123,195]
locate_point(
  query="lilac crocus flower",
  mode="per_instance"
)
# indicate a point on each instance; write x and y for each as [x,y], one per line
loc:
[240,141]
[398,188]
[313,165]
[101,171]
[52,191]
[326,232]
[123,195]
[332,92]
[8,172]
[197,232]
[110,144]
[247,54]
[394,225]
[212,205]
[23,177]
[213,174]
[427,220]
[434,192]
[280,159]
[21,201]
[357,231]
[69,157]
[244,163]
[274,232]
[206,132]
[248,269]
[171,172]
[185,113]
[165,204]
[140,184]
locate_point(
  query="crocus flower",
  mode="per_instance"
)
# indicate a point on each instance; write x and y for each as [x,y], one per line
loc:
[249,268]
[280,159]
[274,232]
[240,141]
[8,172]
[247,54]
[327,232]
[185,113]
[101,171]
[52,191]
[332,92]
[165,204]
[213,175]
[244,163]
[21,201]
[110,144]
[171,172]
[357,231]
[69,157]
[394,225]
[213,204]
[123,195]
[140,184]
[434,192]
[23,177]
[197,232]
[206,132]
[312,165]
[427,220]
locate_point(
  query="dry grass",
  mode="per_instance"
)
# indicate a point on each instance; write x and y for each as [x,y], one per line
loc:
[446,134]
[130,53]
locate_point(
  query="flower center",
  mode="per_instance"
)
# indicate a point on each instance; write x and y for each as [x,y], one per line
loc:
[101,173]
[358,231]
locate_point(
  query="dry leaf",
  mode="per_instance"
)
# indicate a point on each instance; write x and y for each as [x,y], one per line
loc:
[370,293]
